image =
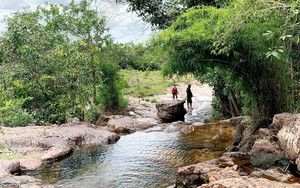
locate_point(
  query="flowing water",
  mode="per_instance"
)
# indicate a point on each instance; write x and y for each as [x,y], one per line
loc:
[142,159]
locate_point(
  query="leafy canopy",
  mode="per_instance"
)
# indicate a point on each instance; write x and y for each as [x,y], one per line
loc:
[50,61]
[247,39]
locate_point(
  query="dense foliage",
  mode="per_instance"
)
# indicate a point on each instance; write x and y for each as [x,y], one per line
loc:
[161,13]
[250,48]
[135,56]
[53,65]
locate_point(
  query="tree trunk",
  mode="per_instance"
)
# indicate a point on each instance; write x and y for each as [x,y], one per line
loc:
[236,109]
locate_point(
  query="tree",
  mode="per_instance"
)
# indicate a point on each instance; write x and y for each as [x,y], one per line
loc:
[30,49]
[83,25]
[234,39]
[161,13]
[50,60]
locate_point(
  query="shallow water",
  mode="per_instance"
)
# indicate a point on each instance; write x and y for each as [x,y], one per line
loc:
[142,159]
[145,159]
[201,109]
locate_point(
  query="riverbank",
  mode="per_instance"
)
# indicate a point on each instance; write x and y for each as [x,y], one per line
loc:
[28,148]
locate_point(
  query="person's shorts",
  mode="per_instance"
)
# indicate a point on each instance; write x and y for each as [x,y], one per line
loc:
[189,99]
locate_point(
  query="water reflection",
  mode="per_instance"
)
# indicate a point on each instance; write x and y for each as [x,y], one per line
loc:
[142,159]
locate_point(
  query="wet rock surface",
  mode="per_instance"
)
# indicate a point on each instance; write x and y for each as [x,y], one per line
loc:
[268,164]
[22,182]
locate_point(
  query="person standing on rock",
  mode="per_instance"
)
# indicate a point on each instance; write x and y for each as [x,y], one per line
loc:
[189,95]
[175,92]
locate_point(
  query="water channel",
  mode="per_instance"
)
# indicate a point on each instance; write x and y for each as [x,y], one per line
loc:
[144,159]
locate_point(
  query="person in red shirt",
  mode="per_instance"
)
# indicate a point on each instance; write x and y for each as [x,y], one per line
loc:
[175,92]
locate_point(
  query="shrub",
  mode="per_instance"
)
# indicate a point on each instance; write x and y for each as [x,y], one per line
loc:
[12,114]
[93,114]
[110,91]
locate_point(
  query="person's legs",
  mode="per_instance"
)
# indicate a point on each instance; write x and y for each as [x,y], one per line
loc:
[189,102]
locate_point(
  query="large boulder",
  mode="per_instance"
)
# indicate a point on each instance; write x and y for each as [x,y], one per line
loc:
[265,153]
[289,138]
[207,171]
[171,110]
[278,122]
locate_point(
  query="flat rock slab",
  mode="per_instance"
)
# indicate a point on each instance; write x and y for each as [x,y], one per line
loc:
[22,182]
[33,145]
[126,124]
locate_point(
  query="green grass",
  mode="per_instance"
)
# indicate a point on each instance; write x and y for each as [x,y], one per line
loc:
[142,84]
[149,83]
[5,153]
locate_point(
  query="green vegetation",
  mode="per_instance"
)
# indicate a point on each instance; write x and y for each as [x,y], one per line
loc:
[5,153]
[161,13]
[53,63]
[248,51]
[59,61]
[142,84]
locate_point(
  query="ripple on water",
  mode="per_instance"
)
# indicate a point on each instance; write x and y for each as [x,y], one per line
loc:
[141,159]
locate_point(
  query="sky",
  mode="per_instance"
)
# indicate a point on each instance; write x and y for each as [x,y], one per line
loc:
[124,26]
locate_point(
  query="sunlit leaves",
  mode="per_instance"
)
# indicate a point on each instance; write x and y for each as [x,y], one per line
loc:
[50,58]
[254,40]
[275,52]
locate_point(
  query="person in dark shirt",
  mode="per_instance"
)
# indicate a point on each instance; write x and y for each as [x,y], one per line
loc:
[189,96]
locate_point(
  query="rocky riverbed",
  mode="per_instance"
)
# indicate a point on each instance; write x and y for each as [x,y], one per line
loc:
[255,162]
[27,148]
[30,147]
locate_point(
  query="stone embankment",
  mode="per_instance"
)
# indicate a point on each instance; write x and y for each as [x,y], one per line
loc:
[267,159]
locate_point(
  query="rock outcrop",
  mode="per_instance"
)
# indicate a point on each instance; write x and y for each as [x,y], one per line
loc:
[289,137]
[271,153]
[22,182]
[171,110]
[34,145]
[225,172]
[9,167]
[126,124]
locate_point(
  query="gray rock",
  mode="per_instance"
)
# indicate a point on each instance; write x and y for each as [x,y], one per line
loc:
[223,172]
[289,138]
[171,110]
[126,124]
[265,154]
[22,182]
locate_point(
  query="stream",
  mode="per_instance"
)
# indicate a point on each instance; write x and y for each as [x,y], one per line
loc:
[144,159]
